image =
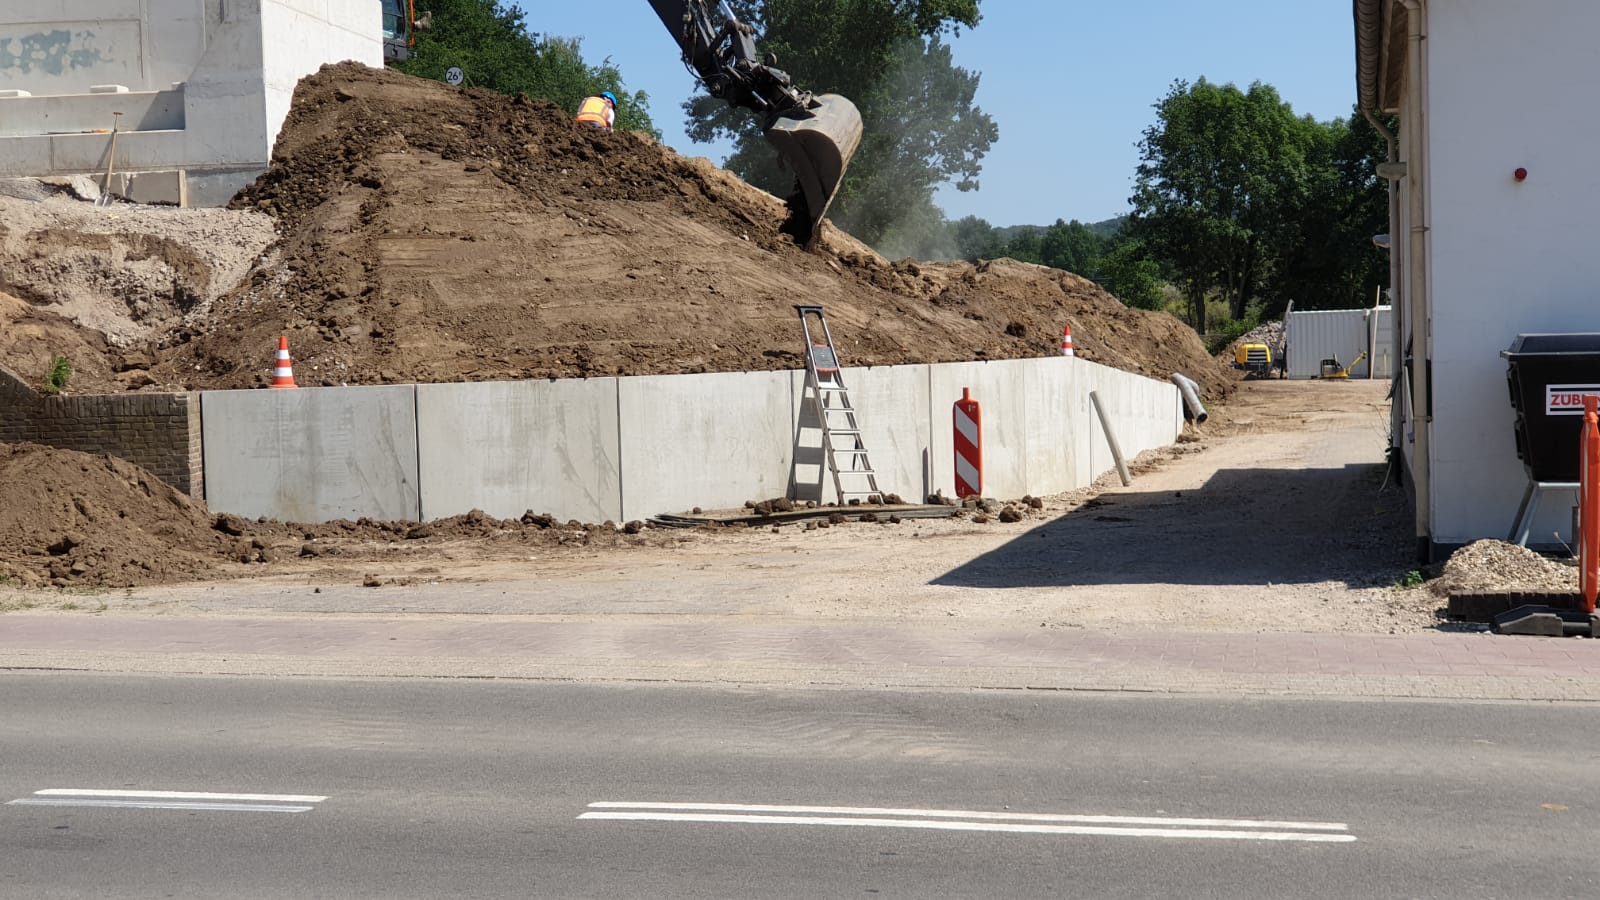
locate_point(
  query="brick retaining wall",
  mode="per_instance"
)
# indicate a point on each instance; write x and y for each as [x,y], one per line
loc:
[159,432]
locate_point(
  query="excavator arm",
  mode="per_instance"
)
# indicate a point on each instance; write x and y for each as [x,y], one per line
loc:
[814,134]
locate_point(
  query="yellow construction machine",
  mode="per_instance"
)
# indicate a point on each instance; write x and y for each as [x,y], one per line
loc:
[1254,359]
[816,134]
[1332,369]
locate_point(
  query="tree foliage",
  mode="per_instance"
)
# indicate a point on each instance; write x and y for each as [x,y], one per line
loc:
[491,42]
[921,128]
[1242,199]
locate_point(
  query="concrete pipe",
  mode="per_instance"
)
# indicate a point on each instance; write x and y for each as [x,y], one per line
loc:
[1193,409]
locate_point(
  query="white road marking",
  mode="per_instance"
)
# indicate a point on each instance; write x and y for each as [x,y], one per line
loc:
[166,804]
[974,814]
[112,798]
[176,795]
[948,820]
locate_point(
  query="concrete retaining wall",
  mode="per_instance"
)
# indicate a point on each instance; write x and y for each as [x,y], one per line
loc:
[508,447]
[160,432]
[313,454]
[628,448]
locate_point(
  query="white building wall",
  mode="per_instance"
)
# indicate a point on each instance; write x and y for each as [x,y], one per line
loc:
[1510,86]
[304,34]
[209,82]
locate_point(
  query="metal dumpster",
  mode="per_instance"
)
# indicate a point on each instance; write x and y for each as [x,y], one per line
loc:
[1548,375]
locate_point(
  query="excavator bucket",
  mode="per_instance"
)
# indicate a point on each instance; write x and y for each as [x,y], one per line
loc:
[817,145]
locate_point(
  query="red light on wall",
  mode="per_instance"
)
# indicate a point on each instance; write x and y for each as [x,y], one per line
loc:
[1520,174]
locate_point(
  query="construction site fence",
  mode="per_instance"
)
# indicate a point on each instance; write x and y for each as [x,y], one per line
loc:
[618,449]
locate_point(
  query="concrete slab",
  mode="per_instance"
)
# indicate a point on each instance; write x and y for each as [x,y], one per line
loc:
[312,454]
[891,403]
[713,440]
[1054,408]
[508,447]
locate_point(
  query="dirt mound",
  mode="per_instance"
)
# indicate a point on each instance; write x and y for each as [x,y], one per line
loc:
[72,518]
[78,520]
[95,283]
[429,233]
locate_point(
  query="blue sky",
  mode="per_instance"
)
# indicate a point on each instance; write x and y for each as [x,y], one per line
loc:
[1071,83]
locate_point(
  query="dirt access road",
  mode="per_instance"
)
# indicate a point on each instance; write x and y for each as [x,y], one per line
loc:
[1276,518]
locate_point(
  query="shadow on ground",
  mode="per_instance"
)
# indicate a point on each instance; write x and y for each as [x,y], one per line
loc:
[1244,526]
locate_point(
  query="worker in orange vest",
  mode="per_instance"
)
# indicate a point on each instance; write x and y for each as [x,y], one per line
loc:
[599,111]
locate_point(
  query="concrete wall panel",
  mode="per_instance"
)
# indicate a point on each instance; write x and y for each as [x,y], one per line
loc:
[891,403]
[712,440]
[312,455]
[1054,417]
[508,447]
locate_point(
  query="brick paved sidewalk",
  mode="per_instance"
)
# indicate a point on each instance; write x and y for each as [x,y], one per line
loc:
[797,652]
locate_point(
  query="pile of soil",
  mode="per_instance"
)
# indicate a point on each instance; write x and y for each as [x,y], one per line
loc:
[75,519]
[72,518]
[429,233]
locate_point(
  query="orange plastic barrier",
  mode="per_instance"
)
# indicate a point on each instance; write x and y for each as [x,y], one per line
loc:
[1589,502]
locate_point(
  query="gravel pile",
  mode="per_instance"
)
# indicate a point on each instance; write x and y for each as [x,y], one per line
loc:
[1490,566]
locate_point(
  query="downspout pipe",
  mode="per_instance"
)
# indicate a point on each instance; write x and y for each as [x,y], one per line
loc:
[1416,145]
[1397,419]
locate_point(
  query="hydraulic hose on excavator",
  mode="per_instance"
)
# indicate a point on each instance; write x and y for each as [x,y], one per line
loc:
[815,135]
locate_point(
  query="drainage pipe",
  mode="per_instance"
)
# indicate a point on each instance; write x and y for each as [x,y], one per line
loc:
[1192,407]
[1414,138]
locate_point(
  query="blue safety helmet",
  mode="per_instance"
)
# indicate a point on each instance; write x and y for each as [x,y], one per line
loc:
[609,96]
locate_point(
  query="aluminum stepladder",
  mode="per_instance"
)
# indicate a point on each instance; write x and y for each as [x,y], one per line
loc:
[830,400]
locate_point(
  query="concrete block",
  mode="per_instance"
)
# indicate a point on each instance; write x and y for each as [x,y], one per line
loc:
[108,89]
[508,447]
[1544,621]
[167,188]
[712,441]
[312,454]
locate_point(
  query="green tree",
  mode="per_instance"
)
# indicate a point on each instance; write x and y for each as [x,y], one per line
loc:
[1071,246]
[1219,173]
[976,239]
[921,126]
[1329,260]
[490,42]
[1130,275]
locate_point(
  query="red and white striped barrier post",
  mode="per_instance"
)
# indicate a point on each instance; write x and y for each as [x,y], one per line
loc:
[969,446]
[1066,340]
[1589,503]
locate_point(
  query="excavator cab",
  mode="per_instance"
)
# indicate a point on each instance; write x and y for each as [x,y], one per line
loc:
[815,134]
[400,27]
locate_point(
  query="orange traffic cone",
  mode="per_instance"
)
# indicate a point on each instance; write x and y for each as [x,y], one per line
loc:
[283,370]
[1066,340]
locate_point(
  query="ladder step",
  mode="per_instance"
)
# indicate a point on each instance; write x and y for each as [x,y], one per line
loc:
[858,472]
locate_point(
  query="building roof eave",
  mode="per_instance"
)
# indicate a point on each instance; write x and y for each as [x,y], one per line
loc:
[1369,53]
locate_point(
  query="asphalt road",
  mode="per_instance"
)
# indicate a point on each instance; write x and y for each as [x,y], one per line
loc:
[470,788]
